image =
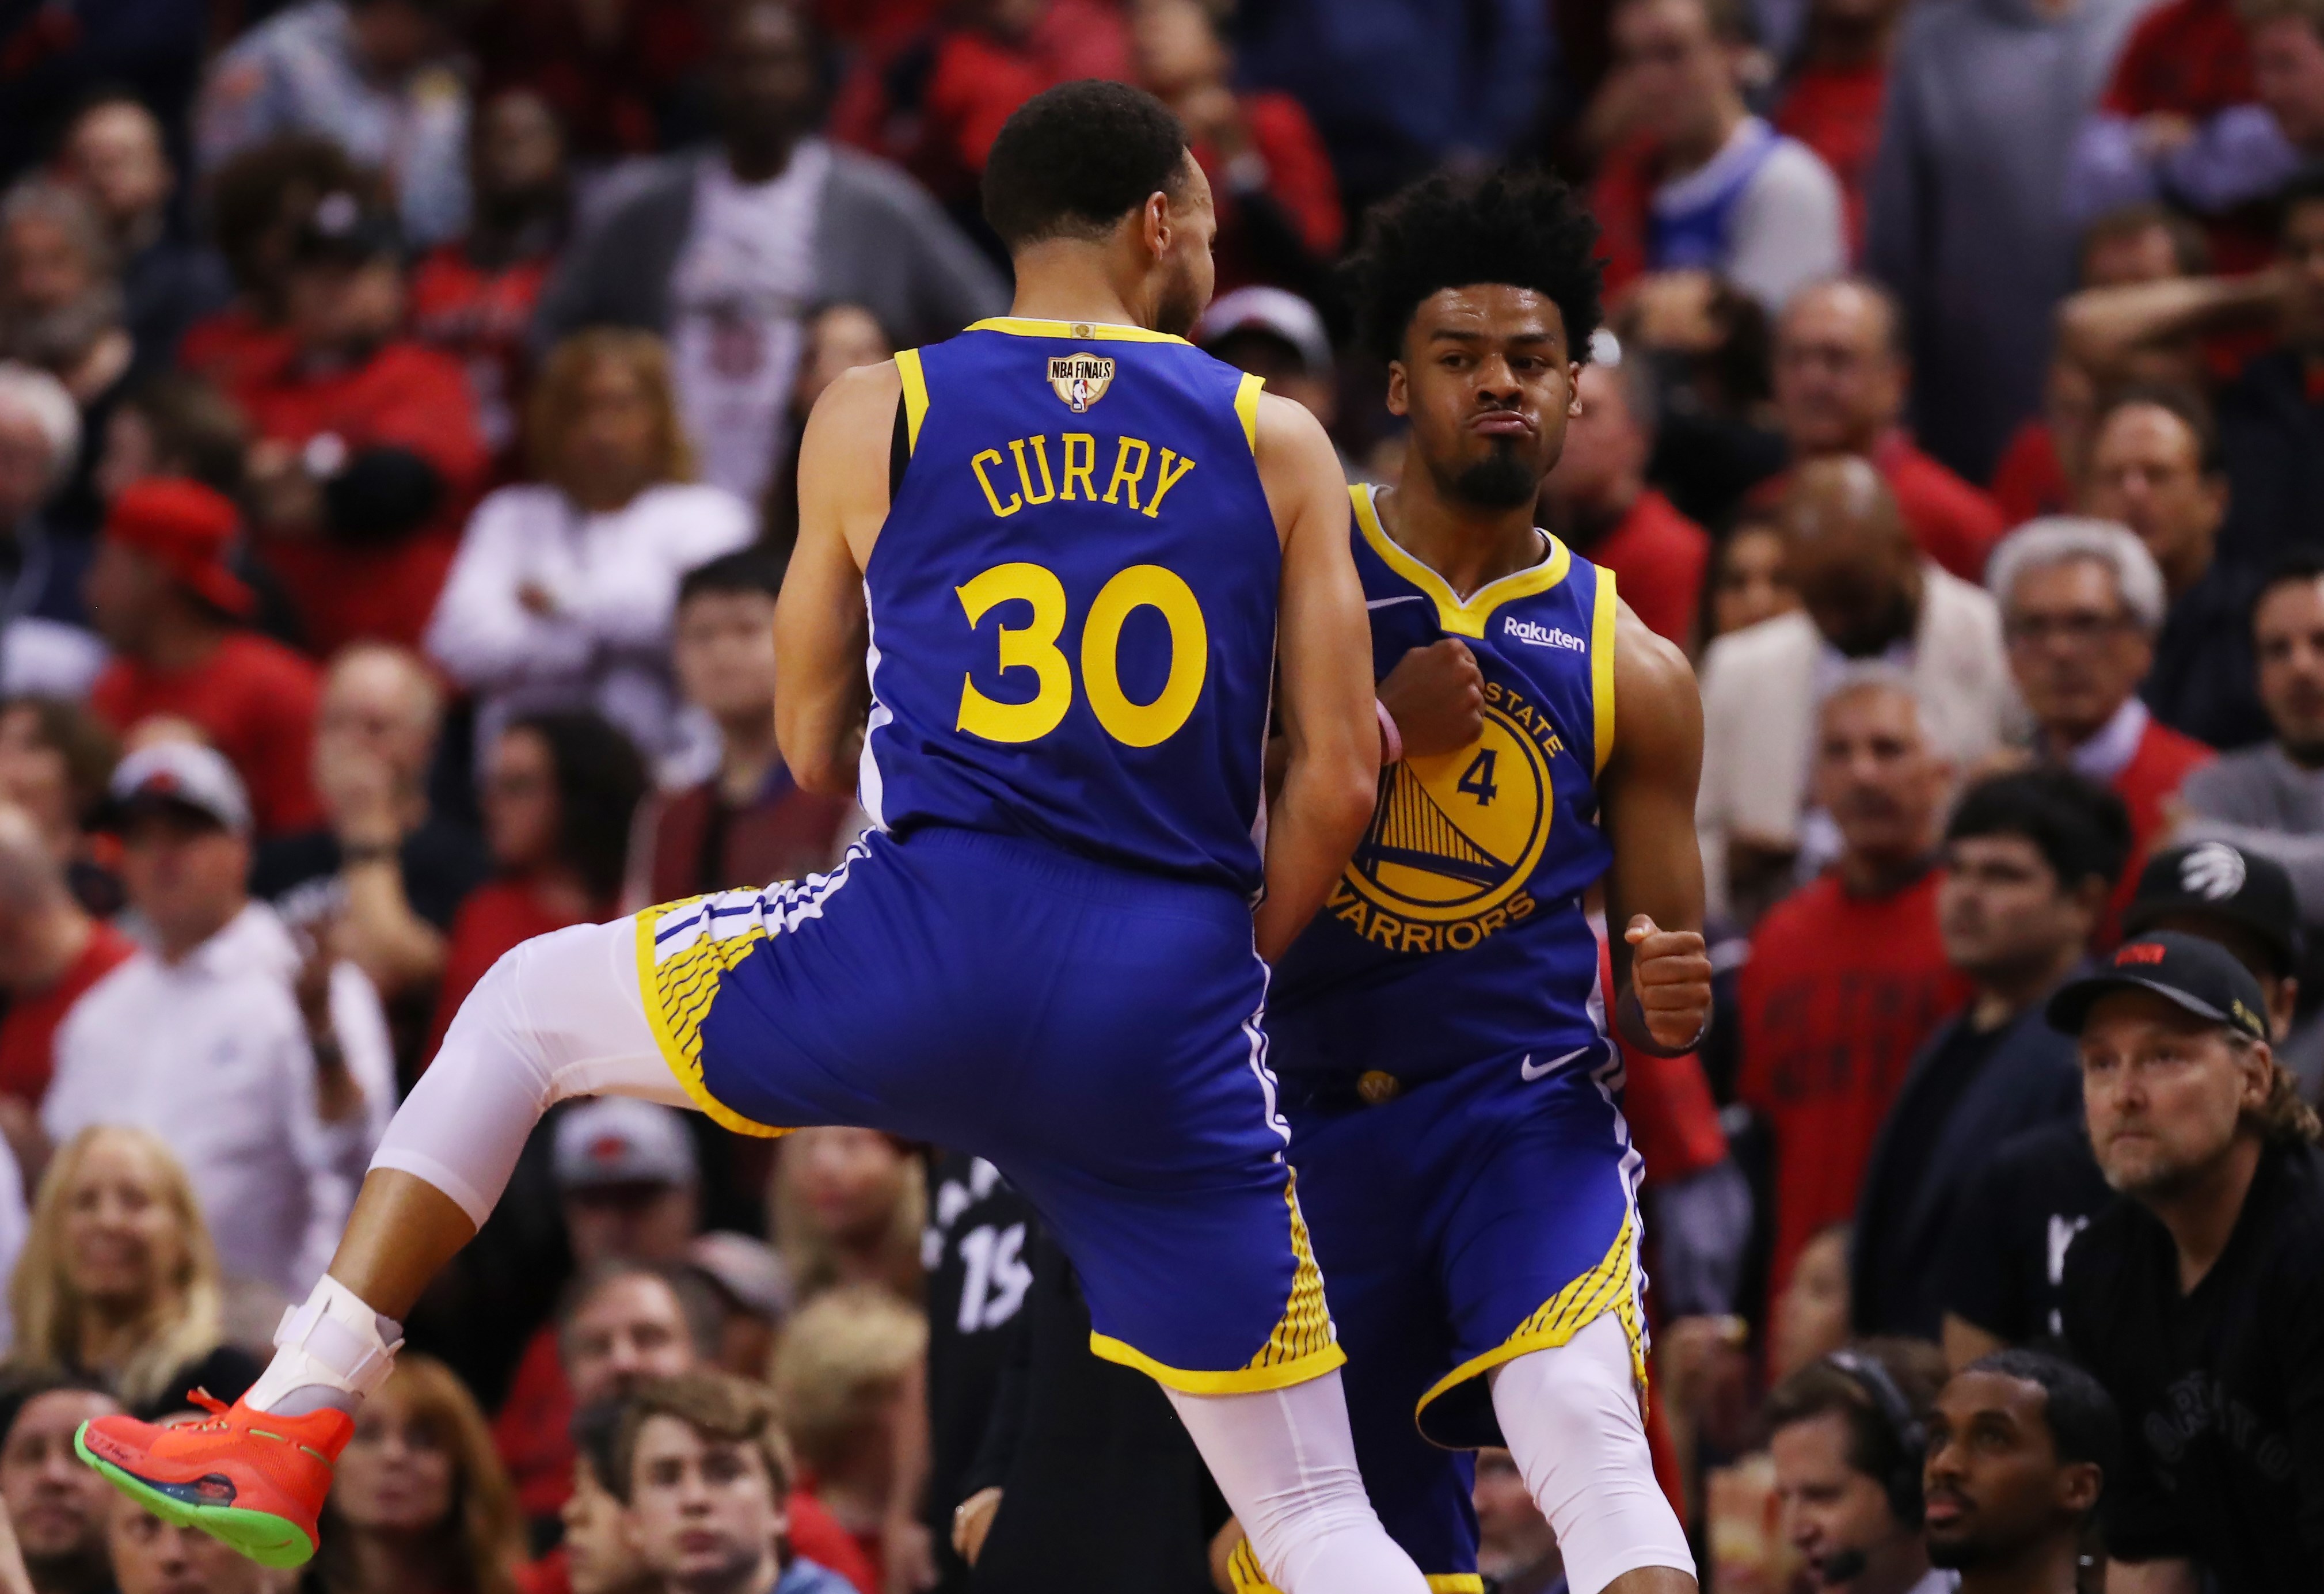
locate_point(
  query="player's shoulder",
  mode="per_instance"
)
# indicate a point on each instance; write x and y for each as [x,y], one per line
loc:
[861,394]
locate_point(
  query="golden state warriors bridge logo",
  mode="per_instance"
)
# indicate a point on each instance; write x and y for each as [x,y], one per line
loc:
[1456,837]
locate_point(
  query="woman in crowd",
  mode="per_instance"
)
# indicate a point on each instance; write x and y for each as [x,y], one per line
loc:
[848,1206]
[563,593]
[849,1380]
[118,1280]
[1747,584]
[559,790]
[55,759]
[839,337]
[420,1504]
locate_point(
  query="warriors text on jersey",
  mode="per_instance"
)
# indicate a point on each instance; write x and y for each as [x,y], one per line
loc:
[1456,935]
[1072,600]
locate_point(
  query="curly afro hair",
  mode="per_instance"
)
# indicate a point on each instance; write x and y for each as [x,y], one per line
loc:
[1519,226]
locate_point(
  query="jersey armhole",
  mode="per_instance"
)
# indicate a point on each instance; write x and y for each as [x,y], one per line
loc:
[1601,670]
[899,451]
[1246,394]
[911,409]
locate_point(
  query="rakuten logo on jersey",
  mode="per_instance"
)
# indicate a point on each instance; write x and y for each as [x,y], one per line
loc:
[1542,636]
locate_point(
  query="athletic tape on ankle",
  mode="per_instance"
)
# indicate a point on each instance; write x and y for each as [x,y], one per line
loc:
[354,1359]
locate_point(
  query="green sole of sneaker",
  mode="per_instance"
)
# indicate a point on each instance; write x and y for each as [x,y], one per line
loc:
[265,1537]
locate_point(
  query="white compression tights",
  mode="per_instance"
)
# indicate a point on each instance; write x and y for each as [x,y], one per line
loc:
[562,1017]
[1286,1463]
[1570,1416]
[559,1017]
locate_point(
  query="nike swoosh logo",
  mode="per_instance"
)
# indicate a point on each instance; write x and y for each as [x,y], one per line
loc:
[1410,597]
[1529,1070]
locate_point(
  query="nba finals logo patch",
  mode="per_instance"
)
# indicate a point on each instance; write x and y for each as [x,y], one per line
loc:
[1080,379]
[1456,838]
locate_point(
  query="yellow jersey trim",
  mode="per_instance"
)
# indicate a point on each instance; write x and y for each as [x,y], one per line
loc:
[1240,1381]
[1610,1286]
[1246,394]
[916,395]
[677,995]
[1602,668]
[1106,331]
[1461,618]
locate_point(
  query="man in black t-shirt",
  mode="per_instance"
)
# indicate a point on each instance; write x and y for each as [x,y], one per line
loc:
[2005,1250]
[2199,1301]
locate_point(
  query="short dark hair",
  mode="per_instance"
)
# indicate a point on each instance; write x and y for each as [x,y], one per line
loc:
[2298,567]
[2084,1424]
[1072,160]
[745,570]
[2306,188]
[197,431]
[2189,250]
[1876,1448]
[2082,829]
[2179,399]
[695,1302]
[1519,227]
[716,1405]
[600,782]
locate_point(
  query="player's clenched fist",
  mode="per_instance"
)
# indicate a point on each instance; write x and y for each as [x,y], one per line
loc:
[1670,978]
[1436,696]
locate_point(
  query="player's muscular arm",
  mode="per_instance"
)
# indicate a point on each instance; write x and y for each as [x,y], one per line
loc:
[1331,738]
[1654,889]
[820,624]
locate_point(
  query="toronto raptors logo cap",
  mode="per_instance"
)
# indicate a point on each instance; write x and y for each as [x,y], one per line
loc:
[2183,887]
[2198,976]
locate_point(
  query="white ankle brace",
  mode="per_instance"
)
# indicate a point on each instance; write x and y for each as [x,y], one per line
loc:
[333,1340]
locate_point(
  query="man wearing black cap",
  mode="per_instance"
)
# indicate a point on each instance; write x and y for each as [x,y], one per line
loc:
[2199,1301]
[2006,1252]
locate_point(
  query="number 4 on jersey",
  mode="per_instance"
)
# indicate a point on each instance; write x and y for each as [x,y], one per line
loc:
[1477,779]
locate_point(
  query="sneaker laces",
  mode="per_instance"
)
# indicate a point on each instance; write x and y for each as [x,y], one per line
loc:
[211,1404]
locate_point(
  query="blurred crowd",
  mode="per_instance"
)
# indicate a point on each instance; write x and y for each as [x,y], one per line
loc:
[398,407]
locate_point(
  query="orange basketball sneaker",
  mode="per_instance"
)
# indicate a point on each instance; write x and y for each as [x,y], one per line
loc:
[253,1481]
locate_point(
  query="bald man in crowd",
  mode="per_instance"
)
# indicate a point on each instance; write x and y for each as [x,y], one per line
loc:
[1598,501]
[1866,593]
[1841,374]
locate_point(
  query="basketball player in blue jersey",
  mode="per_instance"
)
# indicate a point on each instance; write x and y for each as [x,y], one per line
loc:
[1051,577]
[1446,1058]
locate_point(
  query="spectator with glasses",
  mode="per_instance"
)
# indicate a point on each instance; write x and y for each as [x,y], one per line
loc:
[2081,603]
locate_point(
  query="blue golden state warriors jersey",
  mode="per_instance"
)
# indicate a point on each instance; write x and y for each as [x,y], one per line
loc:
[1457,933]
[1072,600]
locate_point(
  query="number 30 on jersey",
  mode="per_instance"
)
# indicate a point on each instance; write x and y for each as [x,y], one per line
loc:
[1034,647]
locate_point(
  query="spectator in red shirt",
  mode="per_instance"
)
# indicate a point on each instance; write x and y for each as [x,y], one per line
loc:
[845,1376]
[749,823]
[1848,976]
[160,592]
[258,202]
[473,297]
[368,456]
[1597,499]
[2081,603]
[1831,101]
[935,105]
[560,789]
[51,951]
[1840,382]
[1278,203]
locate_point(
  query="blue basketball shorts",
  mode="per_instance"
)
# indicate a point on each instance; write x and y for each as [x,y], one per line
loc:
[1464,1221]
[1092,1031]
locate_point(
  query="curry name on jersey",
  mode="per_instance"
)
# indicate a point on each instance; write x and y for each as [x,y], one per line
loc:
[1072,600]
[1457,933]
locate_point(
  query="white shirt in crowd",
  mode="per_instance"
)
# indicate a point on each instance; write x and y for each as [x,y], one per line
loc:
[737,300]
[612,581]
[210,1055]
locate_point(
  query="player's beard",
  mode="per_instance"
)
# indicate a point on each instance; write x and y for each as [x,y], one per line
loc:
[1180,306]
[1503,479]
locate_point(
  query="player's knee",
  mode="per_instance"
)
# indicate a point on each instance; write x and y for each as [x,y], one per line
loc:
[490,1033]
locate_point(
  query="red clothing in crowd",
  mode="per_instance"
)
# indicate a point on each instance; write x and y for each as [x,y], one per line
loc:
[2146,784]
[406,397]
[233,347]
[1953,522]
[1299,180]
[255,701]
[1835,111]
[877,26]
[2188,58]
[1840,994]
[28,1033]
[608,80]
[480,318]
[967,82]
[497,916]
[2029,481]
[695,843]
[1620,198]
[1658,558]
